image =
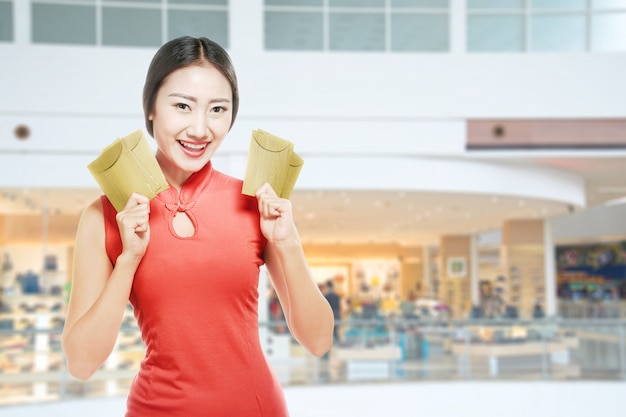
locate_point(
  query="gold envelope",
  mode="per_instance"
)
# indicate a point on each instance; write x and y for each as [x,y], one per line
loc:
[271,159]
[125,166]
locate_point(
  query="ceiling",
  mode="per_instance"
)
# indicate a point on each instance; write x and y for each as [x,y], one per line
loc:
[420,217]
[399,217]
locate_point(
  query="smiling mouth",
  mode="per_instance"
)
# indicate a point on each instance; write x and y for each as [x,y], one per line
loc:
[193,146]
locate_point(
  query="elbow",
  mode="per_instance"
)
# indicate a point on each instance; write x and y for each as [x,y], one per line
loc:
[320,349]
[82,373]
[315,336]
[321,344]
[78,366]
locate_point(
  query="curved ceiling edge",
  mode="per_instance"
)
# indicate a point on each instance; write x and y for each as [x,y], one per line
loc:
[442,175]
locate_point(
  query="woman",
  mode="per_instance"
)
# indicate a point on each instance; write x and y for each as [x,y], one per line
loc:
[189,260]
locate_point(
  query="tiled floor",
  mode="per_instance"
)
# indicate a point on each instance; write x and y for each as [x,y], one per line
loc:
[445,399]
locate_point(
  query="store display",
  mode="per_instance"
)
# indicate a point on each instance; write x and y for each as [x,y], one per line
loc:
[525,285]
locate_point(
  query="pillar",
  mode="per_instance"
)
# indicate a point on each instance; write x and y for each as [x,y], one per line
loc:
[455,267]
[523,265]
[549,270]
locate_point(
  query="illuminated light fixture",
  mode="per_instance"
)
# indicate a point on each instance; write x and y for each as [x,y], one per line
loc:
[616,202]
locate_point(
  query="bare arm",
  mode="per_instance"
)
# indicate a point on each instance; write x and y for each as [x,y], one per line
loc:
[100,292]
[307,311]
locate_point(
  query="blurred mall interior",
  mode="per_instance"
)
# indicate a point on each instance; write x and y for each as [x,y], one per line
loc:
[464,191]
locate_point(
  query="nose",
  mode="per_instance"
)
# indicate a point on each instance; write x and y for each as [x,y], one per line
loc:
[198,128]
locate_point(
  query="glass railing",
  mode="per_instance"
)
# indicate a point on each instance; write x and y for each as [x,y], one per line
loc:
[32,366]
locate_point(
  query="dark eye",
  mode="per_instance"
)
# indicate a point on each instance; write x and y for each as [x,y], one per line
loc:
[218,109]
[182,106]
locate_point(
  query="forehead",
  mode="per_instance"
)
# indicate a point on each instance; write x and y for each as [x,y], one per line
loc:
[197,79]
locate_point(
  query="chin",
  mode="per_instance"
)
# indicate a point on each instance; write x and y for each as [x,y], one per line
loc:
[194,166]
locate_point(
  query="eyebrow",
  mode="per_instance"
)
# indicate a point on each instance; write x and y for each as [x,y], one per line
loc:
[195,100]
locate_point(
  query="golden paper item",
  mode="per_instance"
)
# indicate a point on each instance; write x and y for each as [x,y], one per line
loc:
[271,159]
[126,166]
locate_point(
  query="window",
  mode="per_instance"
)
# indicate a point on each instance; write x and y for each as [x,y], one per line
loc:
[353,31]
[558,32]
[294,30]
[608,25]
[60,23]
[357,25]
[131,27]
[6,21]
[495,33]
[132,23]
[558,25]
[428,32]
[207,23]
[546,25]
[608,32]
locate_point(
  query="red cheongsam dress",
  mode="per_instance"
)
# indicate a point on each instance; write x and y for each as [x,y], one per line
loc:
[195,300]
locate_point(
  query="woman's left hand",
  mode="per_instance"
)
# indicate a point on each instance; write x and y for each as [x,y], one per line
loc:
[276,214]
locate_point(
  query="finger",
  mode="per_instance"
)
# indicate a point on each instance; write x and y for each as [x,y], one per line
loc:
[136,199]
[137,220]
[141,227]
[267,204]
[274,207]
[134,217]
[266,189]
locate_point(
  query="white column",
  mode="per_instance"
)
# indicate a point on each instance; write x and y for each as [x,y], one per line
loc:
[42,349]
[457,26]
[427,279]
[111,365]
[21,22]
[549,269]
[245,25]
[474,284]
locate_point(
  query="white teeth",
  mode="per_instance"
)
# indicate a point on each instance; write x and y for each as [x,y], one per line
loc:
[194,146]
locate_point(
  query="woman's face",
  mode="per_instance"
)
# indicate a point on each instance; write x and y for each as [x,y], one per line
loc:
[191,116]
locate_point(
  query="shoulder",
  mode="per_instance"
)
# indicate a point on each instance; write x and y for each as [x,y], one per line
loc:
[93,213]
[234,186]
[91,223]
[100,213]
[227,180]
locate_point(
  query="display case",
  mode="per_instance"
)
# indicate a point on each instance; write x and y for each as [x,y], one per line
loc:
[524,287]
[32,364]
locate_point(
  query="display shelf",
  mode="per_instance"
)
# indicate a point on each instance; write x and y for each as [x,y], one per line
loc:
[525,284]
[32,364]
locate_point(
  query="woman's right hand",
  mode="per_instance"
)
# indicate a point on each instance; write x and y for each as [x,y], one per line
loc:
[133,223]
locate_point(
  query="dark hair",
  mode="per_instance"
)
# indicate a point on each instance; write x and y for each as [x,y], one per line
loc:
[183,52]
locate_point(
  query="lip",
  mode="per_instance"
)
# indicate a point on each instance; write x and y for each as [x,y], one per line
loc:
[193,149]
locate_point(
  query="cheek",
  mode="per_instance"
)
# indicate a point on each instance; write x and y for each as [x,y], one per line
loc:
[221,127]
[165,122]
[160,131]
